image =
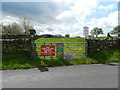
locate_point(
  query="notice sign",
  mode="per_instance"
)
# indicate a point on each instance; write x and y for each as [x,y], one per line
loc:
[60,50]
[47,50]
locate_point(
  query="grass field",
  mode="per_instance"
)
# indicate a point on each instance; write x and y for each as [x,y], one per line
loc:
[60,40]
[23,61]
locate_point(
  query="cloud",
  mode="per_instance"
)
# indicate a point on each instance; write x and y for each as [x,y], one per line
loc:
[9,20]
[117,0]
[78,10]
[108,7]
[44,30]
[44,12]
[106,23]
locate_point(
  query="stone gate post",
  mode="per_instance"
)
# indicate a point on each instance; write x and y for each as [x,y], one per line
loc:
[33,45]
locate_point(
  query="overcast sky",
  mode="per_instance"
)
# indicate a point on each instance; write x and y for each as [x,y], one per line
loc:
[63,16]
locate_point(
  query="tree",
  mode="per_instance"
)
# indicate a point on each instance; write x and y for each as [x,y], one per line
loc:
[59,36]
[17,29]
[96,31]
[67,35]
[13,29]
[1,29]
[77,37]
[92,33]
[116,30]
[25,24]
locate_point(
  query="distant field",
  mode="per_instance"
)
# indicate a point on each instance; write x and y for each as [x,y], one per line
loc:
[60,40]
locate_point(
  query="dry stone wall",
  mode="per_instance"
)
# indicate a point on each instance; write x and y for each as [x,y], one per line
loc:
[16,44]
[95,45]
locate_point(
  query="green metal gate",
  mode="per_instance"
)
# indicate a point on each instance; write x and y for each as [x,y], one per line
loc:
[62,49]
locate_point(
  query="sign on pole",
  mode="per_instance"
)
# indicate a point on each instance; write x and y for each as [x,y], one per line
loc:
[86,31]
[47,50]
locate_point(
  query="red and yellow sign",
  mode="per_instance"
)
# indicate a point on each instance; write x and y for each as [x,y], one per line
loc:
[47,50]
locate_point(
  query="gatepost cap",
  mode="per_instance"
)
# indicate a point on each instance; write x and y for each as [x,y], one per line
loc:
[32,31]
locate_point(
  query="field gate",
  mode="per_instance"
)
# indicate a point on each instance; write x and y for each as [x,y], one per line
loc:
[52,50]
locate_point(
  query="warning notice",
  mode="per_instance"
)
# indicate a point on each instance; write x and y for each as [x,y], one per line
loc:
[47,50]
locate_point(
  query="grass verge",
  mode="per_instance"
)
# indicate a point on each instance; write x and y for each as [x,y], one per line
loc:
[22,61]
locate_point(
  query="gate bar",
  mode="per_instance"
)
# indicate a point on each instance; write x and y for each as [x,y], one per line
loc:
[58,42]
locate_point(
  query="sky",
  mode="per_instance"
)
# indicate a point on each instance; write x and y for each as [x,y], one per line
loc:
[63,16]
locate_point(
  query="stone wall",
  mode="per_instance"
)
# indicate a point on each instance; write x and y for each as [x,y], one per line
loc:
[16,44]
[15,36]
[95,45]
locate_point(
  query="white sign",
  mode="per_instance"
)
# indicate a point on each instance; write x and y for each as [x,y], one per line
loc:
[86,32]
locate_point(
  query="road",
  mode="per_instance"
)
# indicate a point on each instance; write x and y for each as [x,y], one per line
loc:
[79,76]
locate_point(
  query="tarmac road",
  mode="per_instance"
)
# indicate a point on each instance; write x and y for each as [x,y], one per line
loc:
[79,76]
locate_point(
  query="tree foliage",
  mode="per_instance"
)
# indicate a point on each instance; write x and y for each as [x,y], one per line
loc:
[116,30]
[67,35]
[17,29]
[25,24]
[96,31]
[59,36]
[77,37]
[13,29]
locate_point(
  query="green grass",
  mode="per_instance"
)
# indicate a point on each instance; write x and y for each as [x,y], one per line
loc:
[17,61]
[22,61]
[106,56]
[60,40]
